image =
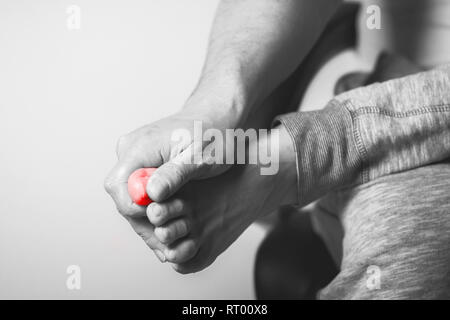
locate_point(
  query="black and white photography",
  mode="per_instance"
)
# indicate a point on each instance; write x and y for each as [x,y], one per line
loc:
[209,151]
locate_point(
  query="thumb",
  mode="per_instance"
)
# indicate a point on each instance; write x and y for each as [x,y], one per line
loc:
[171,176]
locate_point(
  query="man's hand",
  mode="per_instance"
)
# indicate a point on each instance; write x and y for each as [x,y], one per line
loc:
[153,146]
[168,144]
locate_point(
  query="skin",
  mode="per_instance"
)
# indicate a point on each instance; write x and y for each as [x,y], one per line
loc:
[207,216]
[254,46]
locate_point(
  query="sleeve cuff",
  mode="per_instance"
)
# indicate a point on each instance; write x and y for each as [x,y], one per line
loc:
[327,154]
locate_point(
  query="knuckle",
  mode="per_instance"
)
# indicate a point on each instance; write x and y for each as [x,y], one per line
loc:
[140,145]
[109,184]
[121,143]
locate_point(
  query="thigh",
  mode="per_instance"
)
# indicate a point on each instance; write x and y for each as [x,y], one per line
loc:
[396,237]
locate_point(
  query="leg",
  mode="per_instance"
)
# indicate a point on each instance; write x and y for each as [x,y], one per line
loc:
[397,228]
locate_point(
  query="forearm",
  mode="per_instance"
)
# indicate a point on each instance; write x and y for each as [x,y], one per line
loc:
[370,132]
[254,45]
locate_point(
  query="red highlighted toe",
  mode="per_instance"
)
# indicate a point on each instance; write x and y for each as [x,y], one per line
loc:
[137,183]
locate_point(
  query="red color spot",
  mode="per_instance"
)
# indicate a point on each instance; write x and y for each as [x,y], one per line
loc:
[137,183]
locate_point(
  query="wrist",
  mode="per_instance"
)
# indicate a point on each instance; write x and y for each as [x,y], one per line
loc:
[286,176]
[221,99]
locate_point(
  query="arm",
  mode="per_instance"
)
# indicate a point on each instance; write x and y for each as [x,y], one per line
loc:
[370,132]
[255,45]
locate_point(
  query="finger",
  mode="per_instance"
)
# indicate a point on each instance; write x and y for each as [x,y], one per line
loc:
[116,186]
[182,251]
[161,213]
[145,230]
[172,231]
[171,176]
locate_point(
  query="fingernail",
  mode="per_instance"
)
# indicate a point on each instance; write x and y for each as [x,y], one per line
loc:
[160,256]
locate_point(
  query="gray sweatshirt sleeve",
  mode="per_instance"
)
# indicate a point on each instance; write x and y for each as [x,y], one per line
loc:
[370,132]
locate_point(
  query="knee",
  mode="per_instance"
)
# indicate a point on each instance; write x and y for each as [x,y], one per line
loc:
[409,261]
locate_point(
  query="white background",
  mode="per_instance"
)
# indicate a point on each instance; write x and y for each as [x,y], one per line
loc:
[65,98]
